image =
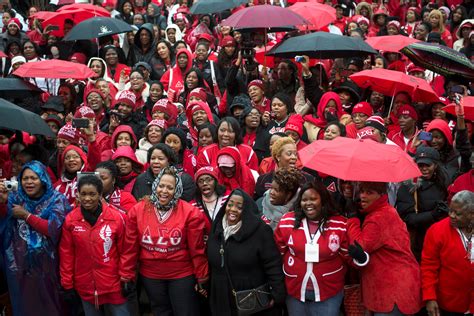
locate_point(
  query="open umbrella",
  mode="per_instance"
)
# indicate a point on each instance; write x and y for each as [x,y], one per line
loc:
[97,27]
[390,43]
[318,15]
[14,117]
[390,82]
[17,88]
[214,6]
[468,103]
[440,59]
[97,10]
[322,45]
[54,68]
[76,15]
[268,17]
[359,160]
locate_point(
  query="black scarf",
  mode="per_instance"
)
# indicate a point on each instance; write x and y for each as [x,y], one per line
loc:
[92,217]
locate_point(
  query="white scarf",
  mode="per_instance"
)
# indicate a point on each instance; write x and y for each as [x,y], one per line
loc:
[230,230]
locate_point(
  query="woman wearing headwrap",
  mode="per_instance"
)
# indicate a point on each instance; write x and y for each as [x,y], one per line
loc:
[169,237]
[30,225]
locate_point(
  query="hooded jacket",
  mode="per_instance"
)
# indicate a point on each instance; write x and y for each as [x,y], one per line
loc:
[156,18]
[242,178]
[186,158]
[136,53]
[195,106]
[250,255]
[91,82]
[173,79]
[107,155]
[449,156]
[178,34]
[315,125]
[128,181]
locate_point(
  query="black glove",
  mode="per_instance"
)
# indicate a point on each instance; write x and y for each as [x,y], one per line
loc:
[69,296]
[356,252]
[129,289]
[440,211]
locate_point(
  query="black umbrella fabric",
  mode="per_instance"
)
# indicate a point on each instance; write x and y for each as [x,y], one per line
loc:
[440,59]
[215,6]
[17,88]
[97,27]
[322,45]
[16,118]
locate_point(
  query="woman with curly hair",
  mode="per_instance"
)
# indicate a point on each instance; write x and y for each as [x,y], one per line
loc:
[282,195]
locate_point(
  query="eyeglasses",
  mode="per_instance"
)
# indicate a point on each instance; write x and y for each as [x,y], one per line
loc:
[205,180]
[73,157]
[136,78]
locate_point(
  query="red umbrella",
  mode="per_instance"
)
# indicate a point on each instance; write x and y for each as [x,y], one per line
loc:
[468,103]
[43,15]
[3,55]
[64,2]
[86,6]
[318,15]
[76,15]
[359,160]
[54,68]
[390,82]
[264,17]
[390,43]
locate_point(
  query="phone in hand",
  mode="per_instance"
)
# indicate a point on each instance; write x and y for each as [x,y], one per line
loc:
[426,136]
[300,59]
[80,122]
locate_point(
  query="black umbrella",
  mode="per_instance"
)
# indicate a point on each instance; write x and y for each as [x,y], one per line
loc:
[440,59]
[214,6]
[97,27]
[17,88]
[16,118]
[322,45]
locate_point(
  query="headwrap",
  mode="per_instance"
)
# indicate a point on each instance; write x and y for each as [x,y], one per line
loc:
[177,193]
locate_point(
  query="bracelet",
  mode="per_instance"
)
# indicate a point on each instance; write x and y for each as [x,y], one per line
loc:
[27,217]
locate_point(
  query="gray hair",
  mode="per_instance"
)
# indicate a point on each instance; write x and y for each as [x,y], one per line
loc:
[464,198]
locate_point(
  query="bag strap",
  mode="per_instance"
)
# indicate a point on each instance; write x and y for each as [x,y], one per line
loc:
[415,196]
[222,251]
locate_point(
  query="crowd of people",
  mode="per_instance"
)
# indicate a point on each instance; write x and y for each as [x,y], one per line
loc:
[174,185]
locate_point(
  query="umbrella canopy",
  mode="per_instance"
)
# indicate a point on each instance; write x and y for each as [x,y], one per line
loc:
[390,43]
[268,17]
[54,68]
[440,59]
[318,15]
[76,15]
[214,6]
[359,160]
[14,117]
[468,103]
[17,88]
[97,27]
[322,45]
[97,10]
[390,82]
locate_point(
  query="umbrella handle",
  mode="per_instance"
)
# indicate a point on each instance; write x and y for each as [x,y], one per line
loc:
[391,105]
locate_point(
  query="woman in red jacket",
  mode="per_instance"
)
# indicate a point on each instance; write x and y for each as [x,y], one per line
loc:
[97,232]
[314,281]
[233,172]
[447,262]
[390,282]
[128,165]
[169,244]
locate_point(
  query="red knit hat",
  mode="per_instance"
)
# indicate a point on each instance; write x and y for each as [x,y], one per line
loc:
[198,92]
[212,171]
[79,58]
[295,124]
[228,41]
[84,112]
[367,133]
[96,91]
[414,68]
[16,22]
[407,110]
[394,23]
[257,83]
[127,97]
[206,37]
[376,122]
[160,123]
[363,107]
[69,133]
[165,106]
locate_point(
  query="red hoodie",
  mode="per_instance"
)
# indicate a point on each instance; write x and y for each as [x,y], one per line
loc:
[320,121]
[107,155]
[128,180]
[193,107]
[173,79]
[242,178]
[443,127]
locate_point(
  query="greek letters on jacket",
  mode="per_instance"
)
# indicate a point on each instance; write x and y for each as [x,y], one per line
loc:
[325,277]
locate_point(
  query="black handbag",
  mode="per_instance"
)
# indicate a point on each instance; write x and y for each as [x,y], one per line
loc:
[249,302]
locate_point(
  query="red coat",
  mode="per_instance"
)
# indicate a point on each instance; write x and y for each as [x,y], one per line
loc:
[94,259]
[208,156]
[122,199]
[447,274]
[327,275]
[172,248]
[463,182]
[392,275]
[399,139]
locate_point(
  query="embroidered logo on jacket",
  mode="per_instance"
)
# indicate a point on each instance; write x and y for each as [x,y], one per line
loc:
[334,242]
[106,234]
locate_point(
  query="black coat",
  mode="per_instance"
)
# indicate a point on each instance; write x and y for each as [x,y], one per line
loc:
[144,182]
[252,259]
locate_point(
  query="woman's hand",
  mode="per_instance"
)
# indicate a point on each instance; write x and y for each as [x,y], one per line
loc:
[432,308]
[266,117]
[89,132]
[201,289]
[19,212]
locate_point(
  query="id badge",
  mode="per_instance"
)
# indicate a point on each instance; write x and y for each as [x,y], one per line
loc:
[472,251]
[311,253]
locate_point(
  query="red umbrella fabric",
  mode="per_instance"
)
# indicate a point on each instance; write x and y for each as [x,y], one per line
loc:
[85,6]
[263,17]
[359,160]
[390,82]
[54,68]
[468,103]
[76,15]
[390,43]
[317,14]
